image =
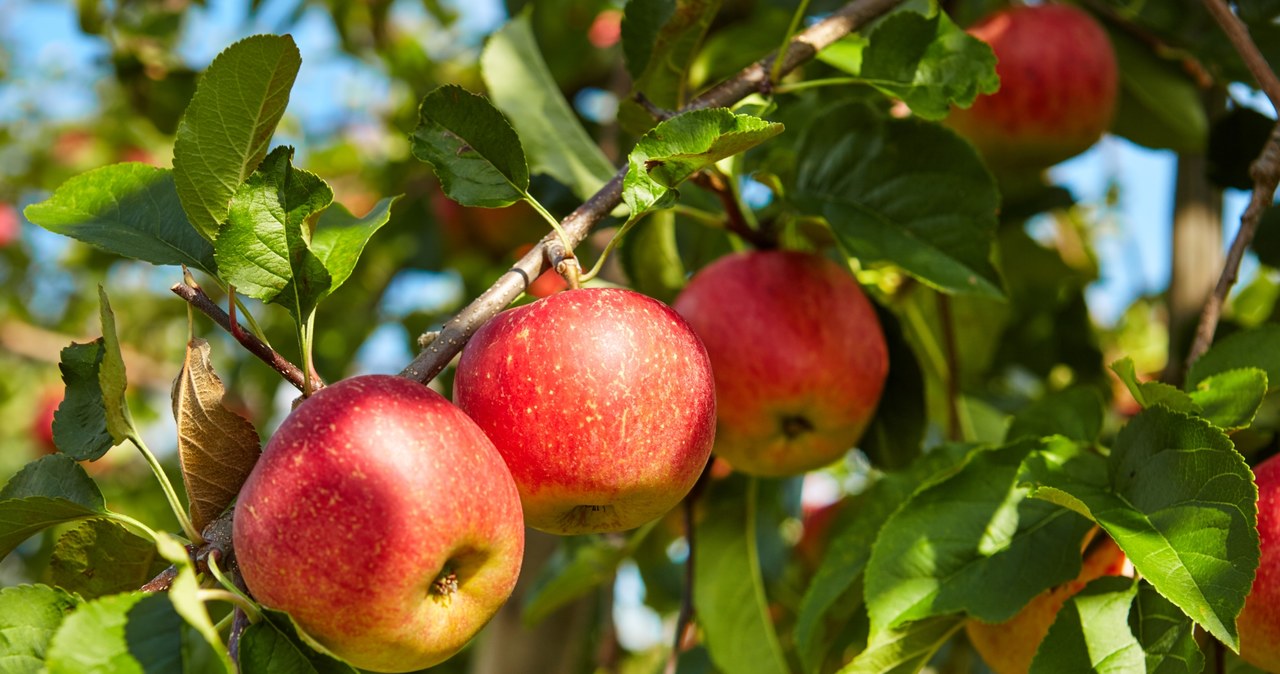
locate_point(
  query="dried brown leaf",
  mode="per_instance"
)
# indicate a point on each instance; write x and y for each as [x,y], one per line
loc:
[216,447]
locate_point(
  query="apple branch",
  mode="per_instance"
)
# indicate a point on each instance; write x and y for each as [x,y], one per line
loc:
[756,77]
[735,220]
[1265,172]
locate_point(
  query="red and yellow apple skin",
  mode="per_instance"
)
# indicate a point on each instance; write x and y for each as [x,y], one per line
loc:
[1010,646]
[383,520]
[600,400]
[1259,622]
[1058,88]
[798,353]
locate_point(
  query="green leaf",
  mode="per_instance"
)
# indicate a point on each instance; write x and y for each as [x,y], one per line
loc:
[894,436]
[263,248]
[927,61]
[1091,633]
[1150,393]
[1075,413]
[340,238]
[1259,347]
[1159,105]
[906,649]
[684,145]
[944,549]
[126,209]
[184,595]
[273,645]
[48,491]
[660,39]
[651,258]
[1230,400]
[1166,633]
[80,423]
[579,565]
[228,125]
[119,634]
[100,557]
[729,591]
[902,191]
[111,377]
[29,616]
[1181,503]
[474,150]
[518,81]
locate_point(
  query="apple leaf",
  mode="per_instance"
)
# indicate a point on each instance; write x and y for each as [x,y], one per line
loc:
[29,616]
[927,61]
[132,632]
[651,258]
[111,375]
[906,649]
[518,81]
[893,438]
[263,249]
[339,239]
[729,591]
[100,557]
[1091,632]
[579,565]
[48,491]
[228,125]
[1148,393]
[1075,413]
[863,172]
[660,39]
[944,549]
[1259,347]
[1181,503]
[683,145]
[80,422]
[216,447]
[473,148]
[273,645]
[184,594]
[128,209]
[1167,635]
[1160,106]
[1230,400]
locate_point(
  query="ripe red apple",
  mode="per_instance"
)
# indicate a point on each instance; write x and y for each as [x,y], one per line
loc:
[383,520]
[1259,622]
[42,420]
[798,354]
[600,400]
[1058,88]
[816,533]
[1009,647]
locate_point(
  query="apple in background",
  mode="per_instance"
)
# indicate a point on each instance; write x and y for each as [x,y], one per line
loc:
[601,401]
[10,229]
[798,354]
[42,419]
[1058,88]
[383,520]
[1259,622]
[816,534]
[496,231]
[1009,647]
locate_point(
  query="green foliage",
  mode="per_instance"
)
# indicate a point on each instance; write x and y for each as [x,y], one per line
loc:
[29,617]
[1159,106]
[133,632]
[48,491]
[1091,632]
[1258,348]
[580,565]
[100,557]
[80,424]
[474,150]
[273,645]
[906,649]
[660,38]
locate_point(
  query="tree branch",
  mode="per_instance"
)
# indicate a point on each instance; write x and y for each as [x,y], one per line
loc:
[735,220]
[455,333]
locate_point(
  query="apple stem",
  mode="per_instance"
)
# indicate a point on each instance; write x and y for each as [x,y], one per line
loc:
[608,249]
[775,73]
[561,259]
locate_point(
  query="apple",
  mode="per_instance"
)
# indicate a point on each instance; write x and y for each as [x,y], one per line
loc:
[495,231]
[602,402]
[816,533]
[1259,622]
[10,227]
[798,354]
[42,420]
[383,520]
[1058,88]
[1009,647]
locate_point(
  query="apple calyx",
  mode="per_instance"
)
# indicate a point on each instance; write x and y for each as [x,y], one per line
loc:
[445,584]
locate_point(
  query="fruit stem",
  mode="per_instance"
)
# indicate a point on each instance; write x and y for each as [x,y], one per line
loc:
[796,18]
[217,594]
[171,494]
[551,220]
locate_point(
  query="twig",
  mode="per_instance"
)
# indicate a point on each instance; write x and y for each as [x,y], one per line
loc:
[685,618]
[198,299]
[735,220]
[162,581]
[953,367]
[433,359]
[660,114]
[1265,172]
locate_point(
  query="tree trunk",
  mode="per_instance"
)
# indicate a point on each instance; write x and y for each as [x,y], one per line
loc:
[1197,257]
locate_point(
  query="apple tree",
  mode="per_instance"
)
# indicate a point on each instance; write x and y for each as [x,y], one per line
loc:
[771,311]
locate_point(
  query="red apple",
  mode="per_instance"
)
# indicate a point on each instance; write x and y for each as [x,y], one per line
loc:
[1058,87]
[383,520]
[816,533]
[798,354]
[1259,622]
[1009,647]
[42,421]
[600,400]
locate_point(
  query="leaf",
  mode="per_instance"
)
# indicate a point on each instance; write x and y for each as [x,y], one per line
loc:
[894,436]
[48,491]
[129,209]
[927,61]
[651,258]
[1152,392]
[902,191]
[217,448]
[29,616]
[1166,634]
[80,422]
[184,595]
[119,633]
[906,649]
[1259,347]
[518,81]
[1231,399]
[1075,413]
[729,591]
[684,145]
[1181,503]
[263,248]
[660,39]
[111,375]
[1159,105]
[273,645]
[1091,632]
[339,239]
[579,565]
[100,557]
[946,547]
[474,150]
[228,125]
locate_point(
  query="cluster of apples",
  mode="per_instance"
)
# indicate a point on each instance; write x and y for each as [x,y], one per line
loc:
[389,522]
